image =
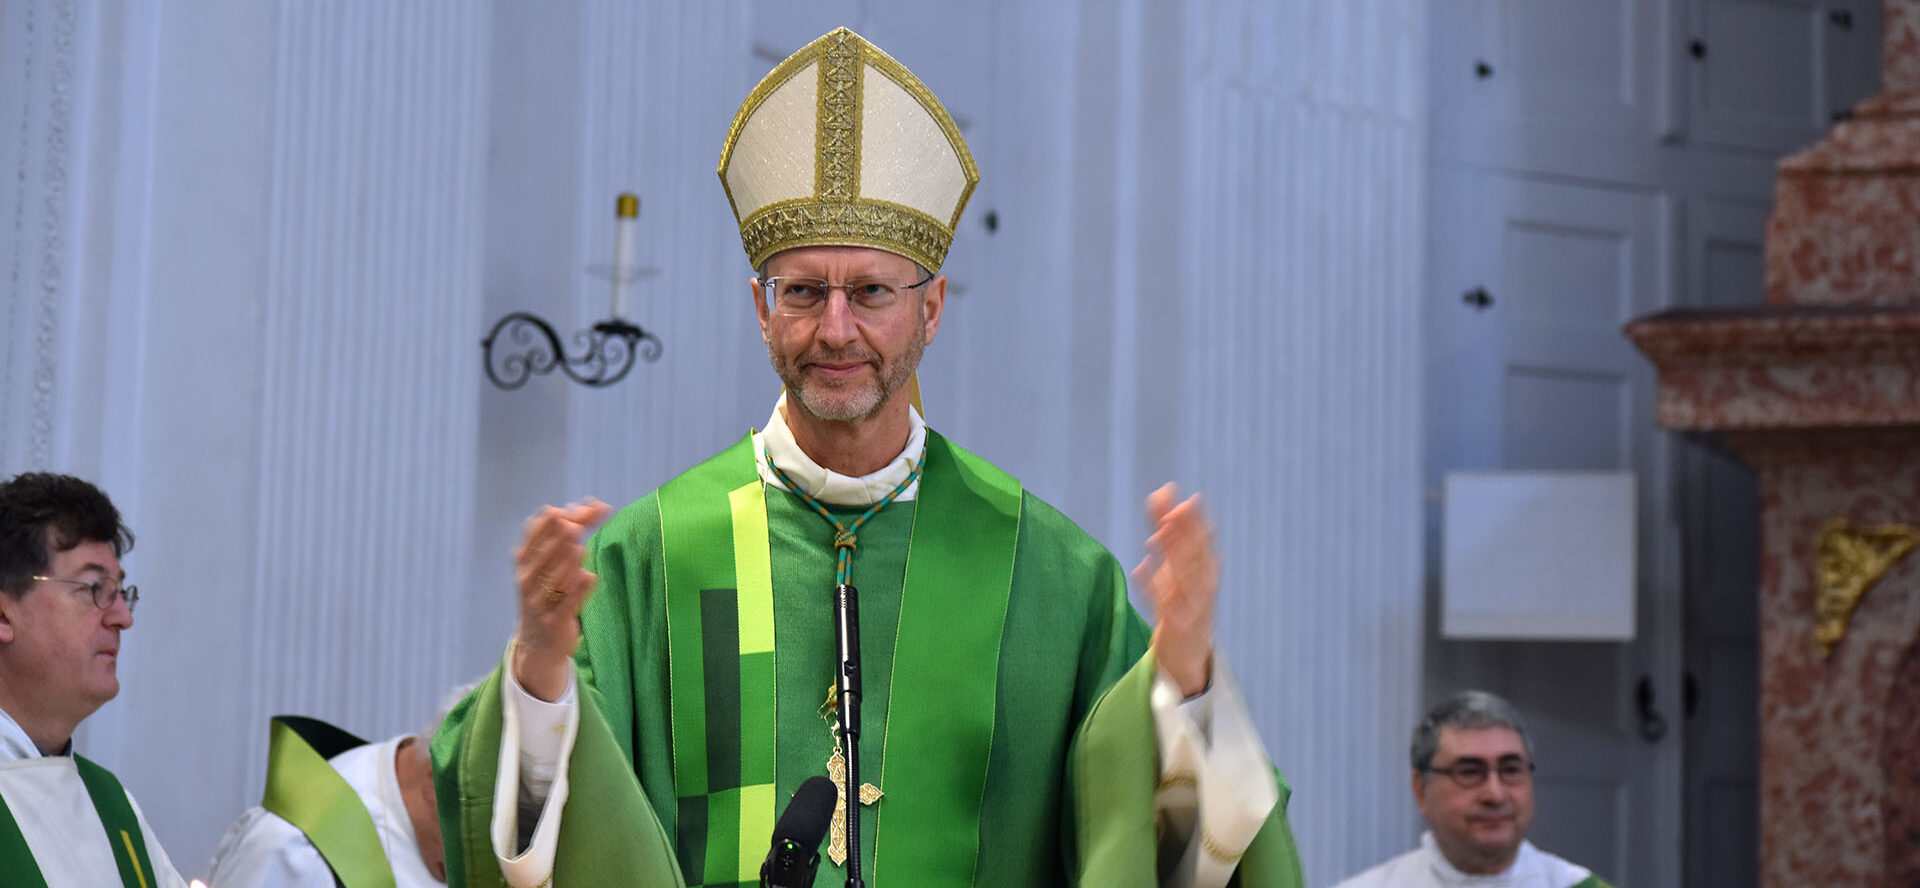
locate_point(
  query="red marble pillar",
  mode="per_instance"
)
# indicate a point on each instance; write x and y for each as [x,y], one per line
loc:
[1820,392]
[1829,804]
[1900,62]
[1836,766]
[1824,401]
[1843,229]
[1903,771]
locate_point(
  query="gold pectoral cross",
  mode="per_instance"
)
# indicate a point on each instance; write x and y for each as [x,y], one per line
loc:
[837,772]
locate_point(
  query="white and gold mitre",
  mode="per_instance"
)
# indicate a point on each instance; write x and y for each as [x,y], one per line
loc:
[842,145]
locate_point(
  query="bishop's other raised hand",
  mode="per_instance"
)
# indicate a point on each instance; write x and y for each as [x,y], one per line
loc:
[1181,574]
[554,586]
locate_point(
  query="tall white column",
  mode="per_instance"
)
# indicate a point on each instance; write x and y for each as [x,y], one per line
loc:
[38,206]
[368,365]
[297,305]
[1293,339]
[660,85]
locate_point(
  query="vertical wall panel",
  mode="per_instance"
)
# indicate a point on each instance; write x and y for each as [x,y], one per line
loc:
[240,262]
[37,62]
[1299,409]
[368,377]
[659,86]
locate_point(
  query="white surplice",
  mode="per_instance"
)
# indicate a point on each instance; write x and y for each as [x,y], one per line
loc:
[261,850]
[56,817]
[1426,867]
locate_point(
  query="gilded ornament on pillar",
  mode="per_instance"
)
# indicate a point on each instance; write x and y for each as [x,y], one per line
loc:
[1847,562]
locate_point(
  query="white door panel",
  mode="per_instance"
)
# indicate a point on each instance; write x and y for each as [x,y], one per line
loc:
[1852,53]
[1725,263]
[1529,80]
[1770,75]
[1548,382]
[1575,263]
[1597,836]
[1722,584]
[1566,346]
[1754,70]
[1557,419]
[1464,391]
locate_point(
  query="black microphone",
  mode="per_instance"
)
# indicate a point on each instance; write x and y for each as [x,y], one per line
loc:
[846,637]
[846,640]
[796,836]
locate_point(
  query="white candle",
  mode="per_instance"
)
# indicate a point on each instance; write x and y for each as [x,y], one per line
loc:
[626,226]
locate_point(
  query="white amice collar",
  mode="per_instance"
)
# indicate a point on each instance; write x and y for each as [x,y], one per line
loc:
[14,742]
[391,795]
[825,484]
[1452,877]
[1532,868]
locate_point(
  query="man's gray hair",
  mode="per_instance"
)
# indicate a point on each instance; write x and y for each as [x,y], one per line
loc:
[1467,709]
[446,707]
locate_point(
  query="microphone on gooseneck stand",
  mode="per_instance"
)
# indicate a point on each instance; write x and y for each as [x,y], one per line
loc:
[796,836]
[846,637]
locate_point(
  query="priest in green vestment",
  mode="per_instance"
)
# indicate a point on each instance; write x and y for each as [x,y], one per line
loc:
[669,684]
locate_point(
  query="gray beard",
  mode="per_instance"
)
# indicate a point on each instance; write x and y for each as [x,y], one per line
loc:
[851,406]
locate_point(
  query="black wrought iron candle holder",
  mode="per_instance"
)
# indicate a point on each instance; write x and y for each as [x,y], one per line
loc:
[608,348]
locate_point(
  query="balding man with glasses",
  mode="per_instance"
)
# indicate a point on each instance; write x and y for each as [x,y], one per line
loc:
[64,821]
[1473,781]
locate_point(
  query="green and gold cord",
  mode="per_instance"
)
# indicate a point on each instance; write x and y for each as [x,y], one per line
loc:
[844,536]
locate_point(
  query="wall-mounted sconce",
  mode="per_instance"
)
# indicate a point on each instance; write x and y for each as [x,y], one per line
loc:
[609,347]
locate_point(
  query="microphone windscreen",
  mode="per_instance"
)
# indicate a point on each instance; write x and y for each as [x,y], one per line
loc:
[805,820]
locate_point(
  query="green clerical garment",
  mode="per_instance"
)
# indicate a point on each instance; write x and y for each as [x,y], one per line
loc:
[1005,719]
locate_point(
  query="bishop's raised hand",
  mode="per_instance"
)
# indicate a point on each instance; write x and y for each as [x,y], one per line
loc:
[1181,574]
[554,586]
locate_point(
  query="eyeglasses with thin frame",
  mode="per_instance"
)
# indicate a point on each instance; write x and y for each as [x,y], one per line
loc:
[1468,773]
[801,296]
[103,594]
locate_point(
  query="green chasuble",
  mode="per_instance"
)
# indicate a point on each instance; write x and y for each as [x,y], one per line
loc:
[1005,716]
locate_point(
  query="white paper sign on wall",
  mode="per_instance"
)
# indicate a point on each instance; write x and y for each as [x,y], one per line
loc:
[1538,555]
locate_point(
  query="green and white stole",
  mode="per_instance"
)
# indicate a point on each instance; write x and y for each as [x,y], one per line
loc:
[722,643]
[116,816]
[306,791]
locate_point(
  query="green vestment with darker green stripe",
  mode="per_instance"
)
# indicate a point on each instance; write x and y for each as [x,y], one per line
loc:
[703,681]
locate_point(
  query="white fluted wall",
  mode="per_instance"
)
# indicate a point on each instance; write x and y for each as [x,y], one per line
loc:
[251,273]
[35,252]
[367,385]
[1302,198]
[593,99]
[660,85]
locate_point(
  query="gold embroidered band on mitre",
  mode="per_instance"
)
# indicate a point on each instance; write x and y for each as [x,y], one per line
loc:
[860,223]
